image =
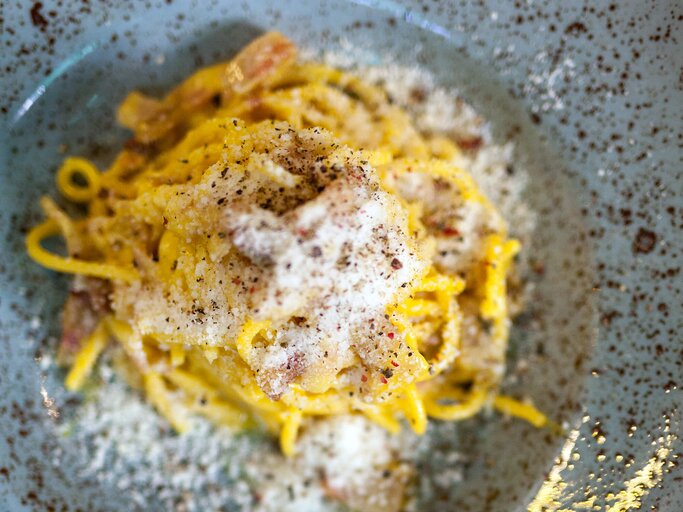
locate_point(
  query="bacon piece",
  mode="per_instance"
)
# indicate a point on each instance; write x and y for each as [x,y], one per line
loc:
[151,119]
[472,143]
[84,308]
[258,62]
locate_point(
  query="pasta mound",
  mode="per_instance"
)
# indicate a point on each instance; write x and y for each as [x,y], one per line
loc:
[277,243]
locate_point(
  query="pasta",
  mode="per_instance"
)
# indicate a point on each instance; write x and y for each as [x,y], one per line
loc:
[278,242]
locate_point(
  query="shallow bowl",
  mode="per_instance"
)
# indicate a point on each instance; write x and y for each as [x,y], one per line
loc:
[591,95]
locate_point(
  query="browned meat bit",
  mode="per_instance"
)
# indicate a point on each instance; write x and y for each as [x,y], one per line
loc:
[153,120]
[87,303]
[149,118]
[260,61]
[469,143]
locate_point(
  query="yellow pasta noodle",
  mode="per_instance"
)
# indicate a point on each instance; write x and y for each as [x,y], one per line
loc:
[159,396]
[289,431]
[244,340]
[527,412]
[67,173]
[465,408]
[67,264]
[85,359]
[415,409]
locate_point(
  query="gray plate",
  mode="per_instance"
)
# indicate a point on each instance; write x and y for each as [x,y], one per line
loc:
[591,93]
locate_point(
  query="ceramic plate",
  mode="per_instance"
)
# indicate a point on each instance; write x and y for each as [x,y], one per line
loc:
[591,93]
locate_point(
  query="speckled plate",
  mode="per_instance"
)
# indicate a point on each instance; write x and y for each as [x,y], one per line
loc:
[590,92]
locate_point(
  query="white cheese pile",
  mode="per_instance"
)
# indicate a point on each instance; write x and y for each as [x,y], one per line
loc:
[124,444]
[334,263]
[344,457]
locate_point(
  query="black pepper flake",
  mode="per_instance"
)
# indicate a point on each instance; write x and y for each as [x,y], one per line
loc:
[388,373]
[221,200]
[396,264]
[485,325]
[316,252]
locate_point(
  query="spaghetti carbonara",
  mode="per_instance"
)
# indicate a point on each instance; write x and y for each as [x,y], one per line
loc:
[277,243]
